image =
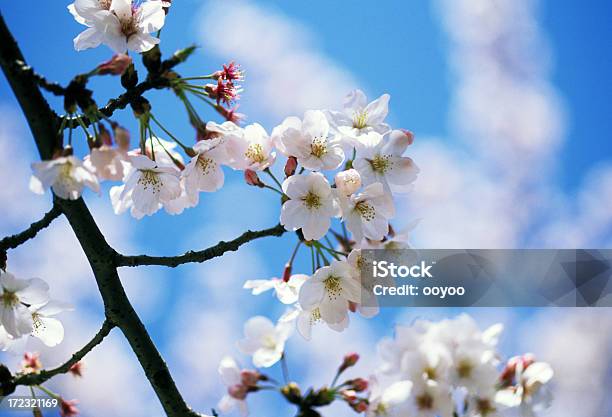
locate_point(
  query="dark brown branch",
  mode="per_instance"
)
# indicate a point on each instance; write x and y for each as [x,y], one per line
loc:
[44,124]
[45,375]
[202,255]
[11,242]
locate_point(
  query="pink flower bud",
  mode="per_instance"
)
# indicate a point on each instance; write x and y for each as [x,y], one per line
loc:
[359,384]
[238,391]
[349,395]
[287,272]
[361,406]
[252,178]
[348,181]
[31,362]
[116,65]
[76,369]
[290,166]
[348,361]
[68,408]
[249,377]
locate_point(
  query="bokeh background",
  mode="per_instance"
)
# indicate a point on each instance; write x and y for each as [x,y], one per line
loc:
[509,101]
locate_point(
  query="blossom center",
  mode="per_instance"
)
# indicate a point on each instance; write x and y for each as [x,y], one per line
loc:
[318,147]
[367,211]
[105,4]
[381,410]
[269,342]
[150,180]
[464,368]
[315,316]
[255,153]
[483,405]
[37,322]
[430,372]
[424,401]
[333,286]
[381,163]
[205,164]
[312,200]
[360,119]
[9,299]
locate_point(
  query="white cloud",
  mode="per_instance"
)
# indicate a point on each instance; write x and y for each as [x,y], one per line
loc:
[286,73]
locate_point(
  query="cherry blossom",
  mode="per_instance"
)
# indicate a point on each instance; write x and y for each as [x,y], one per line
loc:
[236,390]
[286,291]
[119,24]
[148,186]
[311,205]
[309,142]
[367,213]
[529,392]
[359,117]
[331,288]
[46,327]
[250,148]
[15,294]
[388,402]
[379,159]
[107,162]
[348,182]
[264,341]
[66,176]
[204,172]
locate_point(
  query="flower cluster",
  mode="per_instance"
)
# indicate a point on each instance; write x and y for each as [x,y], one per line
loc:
[26,309]
[430,369]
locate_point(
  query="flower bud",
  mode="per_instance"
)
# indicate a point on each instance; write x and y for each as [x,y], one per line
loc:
[249,377]
[358,384]
[360,406]
[76,369]
[68,408]
[324,396]
[117,65]
[348,181]
[252,178]
[292,393]
[349,395]
[290,166]
[348,361]
[31,362]
[287,272]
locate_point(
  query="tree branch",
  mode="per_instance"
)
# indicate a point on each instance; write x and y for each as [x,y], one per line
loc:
[44,124]
[199,256]
[11,242]
[44,375]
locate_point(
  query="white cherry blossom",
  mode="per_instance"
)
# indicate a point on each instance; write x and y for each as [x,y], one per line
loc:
[286,291]
[264,341]
[236,392]
[307,318]
[430,399]
[119,24]
[204,172]
[107,162]
[66,176]
[359,117]
[250,148]
[15,294]
[311,205]
[148,186]
[348,182]
[367,214]
[530,392]
[309,141]
[331,288]
[391,401]
[46,327]
[379,159]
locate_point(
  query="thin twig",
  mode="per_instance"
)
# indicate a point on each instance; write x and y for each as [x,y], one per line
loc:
[44,375]
[11,242]
[199,256]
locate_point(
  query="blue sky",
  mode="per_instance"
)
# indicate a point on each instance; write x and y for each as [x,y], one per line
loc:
[397,47]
